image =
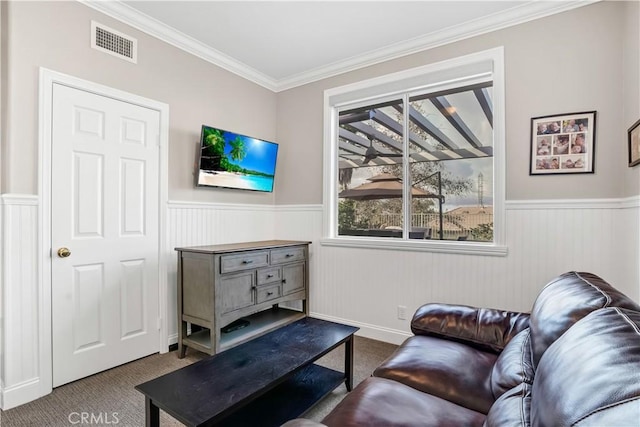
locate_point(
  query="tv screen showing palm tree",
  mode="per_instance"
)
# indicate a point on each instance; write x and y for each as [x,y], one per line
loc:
[231,160]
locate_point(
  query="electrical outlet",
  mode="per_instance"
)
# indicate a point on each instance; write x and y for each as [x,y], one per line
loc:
[402,312]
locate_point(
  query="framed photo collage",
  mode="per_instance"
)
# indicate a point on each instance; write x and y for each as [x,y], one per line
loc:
[563,143]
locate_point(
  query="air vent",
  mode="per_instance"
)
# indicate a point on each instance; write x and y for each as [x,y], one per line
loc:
[113,42]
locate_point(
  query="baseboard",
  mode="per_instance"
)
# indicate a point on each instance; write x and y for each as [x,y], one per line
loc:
[374,332]
[21,393]
[172,339]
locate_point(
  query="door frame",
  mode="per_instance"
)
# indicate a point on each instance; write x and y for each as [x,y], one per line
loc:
[47,80]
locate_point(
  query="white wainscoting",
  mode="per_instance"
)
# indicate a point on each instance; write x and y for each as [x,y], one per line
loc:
[20,318]
[194,224]
[364,287]
[359,286]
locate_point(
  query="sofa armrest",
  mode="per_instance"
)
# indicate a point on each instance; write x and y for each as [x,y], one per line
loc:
[302,422]
[484,328]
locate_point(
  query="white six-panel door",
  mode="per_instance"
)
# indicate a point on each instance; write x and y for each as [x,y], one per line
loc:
[104,210]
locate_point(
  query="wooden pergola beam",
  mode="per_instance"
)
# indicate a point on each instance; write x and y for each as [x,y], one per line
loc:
[456,121]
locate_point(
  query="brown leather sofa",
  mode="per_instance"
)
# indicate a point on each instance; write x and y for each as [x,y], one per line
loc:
[573,361]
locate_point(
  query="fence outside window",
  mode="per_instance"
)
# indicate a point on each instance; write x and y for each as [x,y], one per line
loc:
[455,226]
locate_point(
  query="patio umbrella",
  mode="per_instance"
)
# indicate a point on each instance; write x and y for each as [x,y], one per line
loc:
[387,186]
[383,186]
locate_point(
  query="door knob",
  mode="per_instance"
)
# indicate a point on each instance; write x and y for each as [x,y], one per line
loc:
[64,252]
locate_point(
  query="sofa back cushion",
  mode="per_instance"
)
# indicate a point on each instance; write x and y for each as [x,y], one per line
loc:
[488,329]
[513,367]
[564,301]
[512,409]
[591,375]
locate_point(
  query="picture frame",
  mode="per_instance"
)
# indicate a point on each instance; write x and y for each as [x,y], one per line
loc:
[634,144]
[563,144]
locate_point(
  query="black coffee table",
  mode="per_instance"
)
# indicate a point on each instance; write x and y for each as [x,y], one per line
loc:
[263,382]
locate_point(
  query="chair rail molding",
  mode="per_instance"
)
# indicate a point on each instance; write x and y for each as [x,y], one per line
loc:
[609,203]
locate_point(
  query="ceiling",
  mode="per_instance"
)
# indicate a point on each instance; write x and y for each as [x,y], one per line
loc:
[283,44]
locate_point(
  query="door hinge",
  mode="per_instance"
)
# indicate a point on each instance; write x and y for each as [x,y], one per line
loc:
[159,323]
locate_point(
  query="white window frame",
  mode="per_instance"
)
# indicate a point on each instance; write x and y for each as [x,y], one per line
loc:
[451,73]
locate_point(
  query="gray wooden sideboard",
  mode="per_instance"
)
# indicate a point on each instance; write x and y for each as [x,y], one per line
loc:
[240,282]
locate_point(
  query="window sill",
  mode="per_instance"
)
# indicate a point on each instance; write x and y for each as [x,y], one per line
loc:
[462,248]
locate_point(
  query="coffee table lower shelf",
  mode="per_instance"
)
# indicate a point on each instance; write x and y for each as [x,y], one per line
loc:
[291,399]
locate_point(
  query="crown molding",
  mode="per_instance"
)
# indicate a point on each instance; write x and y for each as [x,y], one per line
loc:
[528,12]
[140,21]
[517,15]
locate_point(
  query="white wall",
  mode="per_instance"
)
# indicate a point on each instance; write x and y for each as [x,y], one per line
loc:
[631,84]
[581,60]
[565,63]
[595,228]
[194,224]
[21,322]
[365,286]
[544,239]
[356,286]
[57,35]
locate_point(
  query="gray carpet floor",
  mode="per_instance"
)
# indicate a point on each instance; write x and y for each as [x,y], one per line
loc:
[112,400]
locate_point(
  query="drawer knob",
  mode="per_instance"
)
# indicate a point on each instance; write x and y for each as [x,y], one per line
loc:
[269,276]
[269,294]
[288,255]
[247,261]
[284,280]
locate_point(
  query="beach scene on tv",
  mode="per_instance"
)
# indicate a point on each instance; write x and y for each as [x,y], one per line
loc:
[236,161]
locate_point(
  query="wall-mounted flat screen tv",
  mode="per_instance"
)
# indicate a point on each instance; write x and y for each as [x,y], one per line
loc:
[231,160]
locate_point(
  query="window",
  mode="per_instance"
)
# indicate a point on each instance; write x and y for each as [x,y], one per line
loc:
[416,159]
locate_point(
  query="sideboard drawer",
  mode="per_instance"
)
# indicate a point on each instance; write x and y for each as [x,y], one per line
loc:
[269,275]
[239,262]
[280,256]
[266,293]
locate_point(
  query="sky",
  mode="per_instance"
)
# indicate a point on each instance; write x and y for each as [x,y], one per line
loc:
[261,155]
[470,169]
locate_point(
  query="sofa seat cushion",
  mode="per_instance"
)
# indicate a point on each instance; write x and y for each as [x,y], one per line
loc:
[590,375]
[513,366]
[512,409]
[379,402]
[446,369]
[564,301]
